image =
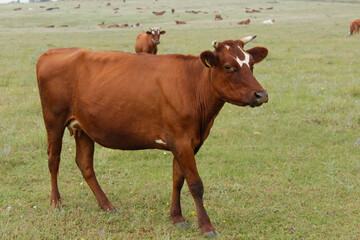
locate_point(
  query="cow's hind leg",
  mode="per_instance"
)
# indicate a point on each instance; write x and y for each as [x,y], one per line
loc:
[175,210]
[84,160]
[54,151]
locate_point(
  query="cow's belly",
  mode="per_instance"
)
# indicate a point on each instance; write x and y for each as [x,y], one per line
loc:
[120,134]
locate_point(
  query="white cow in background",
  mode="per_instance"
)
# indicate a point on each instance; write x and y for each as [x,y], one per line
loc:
[269,21]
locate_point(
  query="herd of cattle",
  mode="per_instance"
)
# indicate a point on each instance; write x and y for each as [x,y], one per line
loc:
[354,25]
[218,17]
[146,101]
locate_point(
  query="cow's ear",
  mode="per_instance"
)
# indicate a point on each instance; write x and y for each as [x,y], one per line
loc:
[148,32]
[208,59]
[162,32]
[258,53]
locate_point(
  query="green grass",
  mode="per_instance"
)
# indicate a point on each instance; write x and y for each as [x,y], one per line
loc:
[298,177]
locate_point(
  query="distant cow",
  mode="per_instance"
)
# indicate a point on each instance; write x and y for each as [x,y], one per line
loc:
[218,17]
[143,101]
[63,26]
[113,26]
[108,4]
[78,6]
[159,13]
[135,25]
[172,10]
[148,41]
[270,8]
[52,8]
[193,11]
[245,22]
[269,21]
[101,24]
[354,27]
[180,22]
[50,26]
[17,9]
[252,11]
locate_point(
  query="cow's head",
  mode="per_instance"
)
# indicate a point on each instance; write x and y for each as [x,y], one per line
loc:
[155,34]
[232,71]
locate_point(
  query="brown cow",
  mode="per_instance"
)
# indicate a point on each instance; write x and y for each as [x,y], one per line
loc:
[113,26]
[17,9]
[148,41]
[193,11]
[354,27]
[253,11]
[218,17]
[180,22]
[135,25]
[143,101]
[159,13]
[244,22]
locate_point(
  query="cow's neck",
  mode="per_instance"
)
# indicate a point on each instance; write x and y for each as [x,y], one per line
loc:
[208,103]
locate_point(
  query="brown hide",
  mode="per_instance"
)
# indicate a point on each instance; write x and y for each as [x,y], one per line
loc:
[141,101]
[354,27]
[144,43]
[218,17]
[180,22]
[147,41]
[159,13]
[244,22]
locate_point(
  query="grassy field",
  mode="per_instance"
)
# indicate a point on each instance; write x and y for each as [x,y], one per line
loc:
[287,170]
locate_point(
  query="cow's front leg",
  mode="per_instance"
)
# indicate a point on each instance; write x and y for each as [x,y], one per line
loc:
[178,182]
[184,155]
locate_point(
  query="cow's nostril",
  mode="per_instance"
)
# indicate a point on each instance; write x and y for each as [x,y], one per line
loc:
[261,97]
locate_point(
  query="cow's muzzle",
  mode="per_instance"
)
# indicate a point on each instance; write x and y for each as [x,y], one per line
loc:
[261,97]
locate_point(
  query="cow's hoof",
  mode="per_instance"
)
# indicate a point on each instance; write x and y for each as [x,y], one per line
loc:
[56,204]
[182,225]
[214,234]
[114,211]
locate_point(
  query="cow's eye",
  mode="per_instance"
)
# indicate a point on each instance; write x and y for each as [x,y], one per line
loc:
[228,67]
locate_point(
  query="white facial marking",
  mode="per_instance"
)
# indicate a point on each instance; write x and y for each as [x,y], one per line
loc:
[160,141]
[227,47]
[245,61]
